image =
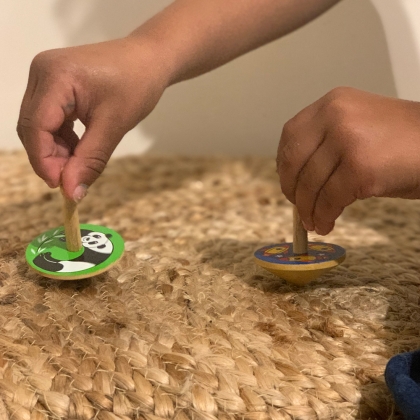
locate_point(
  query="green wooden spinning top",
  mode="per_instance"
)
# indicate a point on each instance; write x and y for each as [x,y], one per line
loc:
[74,251]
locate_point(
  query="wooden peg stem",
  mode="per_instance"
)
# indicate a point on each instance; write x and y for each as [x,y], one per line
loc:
[71,225]
[300,235]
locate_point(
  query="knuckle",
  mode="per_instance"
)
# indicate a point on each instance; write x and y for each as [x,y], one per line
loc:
[285,156]
[289,128]
[326,212]
[50,63]
[307,183]
[21,137]
[24,122]
[97,161]
[330,204]
[287,152]
[38,166]
[338,105]
[289,141]
[24,126]
[293,126]
[340,95]
[326,198]
[288,194]
[286,187]
[339,92]
[354,164]
[40,61]
[19,131]
[367,188]
[363,174]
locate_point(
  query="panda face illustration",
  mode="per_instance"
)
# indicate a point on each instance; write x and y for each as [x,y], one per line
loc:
[97,241]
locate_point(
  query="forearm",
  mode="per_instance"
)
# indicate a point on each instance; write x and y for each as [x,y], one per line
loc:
[196,36]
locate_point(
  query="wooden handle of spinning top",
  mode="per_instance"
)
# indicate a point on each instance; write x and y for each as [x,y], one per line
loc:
[300,235]
[71,225]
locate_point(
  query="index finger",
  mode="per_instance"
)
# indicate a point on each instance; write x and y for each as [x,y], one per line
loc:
[300,138]
[40,120]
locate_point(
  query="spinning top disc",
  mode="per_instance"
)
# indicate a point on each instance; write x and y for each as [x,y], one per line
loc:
[300,269]
[101,249]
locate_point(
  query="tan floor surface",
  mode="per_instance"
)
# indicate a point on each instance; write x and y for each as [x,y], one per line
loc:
[186,326]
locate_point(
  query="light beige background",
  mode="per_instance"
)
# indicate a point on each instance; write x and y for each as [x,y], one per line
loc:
[240,108]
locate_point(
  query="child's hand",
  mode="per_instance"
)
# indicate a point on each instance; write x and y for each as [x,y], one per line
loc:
[110,87]
[349,145]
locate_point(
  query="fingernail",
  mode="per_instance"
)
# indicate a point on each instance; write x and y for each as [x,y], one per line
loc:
[80,193]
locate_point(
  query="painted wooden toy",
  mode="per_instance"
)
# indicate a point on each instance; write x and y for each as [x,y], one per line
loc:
[74,251]
[299,262]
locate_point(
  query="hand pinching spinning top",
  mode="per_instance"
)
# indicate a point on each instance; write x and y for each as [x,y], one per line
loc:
[299,262]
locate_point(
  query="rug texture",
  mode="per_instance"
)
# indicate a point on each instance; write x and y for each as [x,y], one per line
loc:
[186,326]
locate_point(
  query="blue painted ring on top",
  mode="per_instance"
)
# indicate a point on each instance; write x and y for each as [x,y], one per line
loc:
[318,253]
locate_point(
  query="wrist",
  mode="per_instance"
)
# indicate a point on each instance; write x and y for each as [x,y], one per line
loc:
[149,46]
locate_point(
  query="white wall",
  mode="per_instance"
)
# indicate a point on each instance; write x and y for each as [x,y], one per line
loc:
[237,109]
[401,21]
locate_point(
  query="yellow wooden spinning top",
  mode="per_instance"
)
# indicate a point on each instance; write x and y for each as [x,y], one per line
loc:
[301,261]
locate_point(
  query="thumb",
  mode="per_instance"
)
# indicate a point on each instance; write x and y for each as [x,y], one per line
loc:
[89,159]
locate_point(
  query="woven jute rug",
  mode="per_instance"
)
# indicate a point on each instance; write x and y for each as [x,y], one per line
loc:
[186,326]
